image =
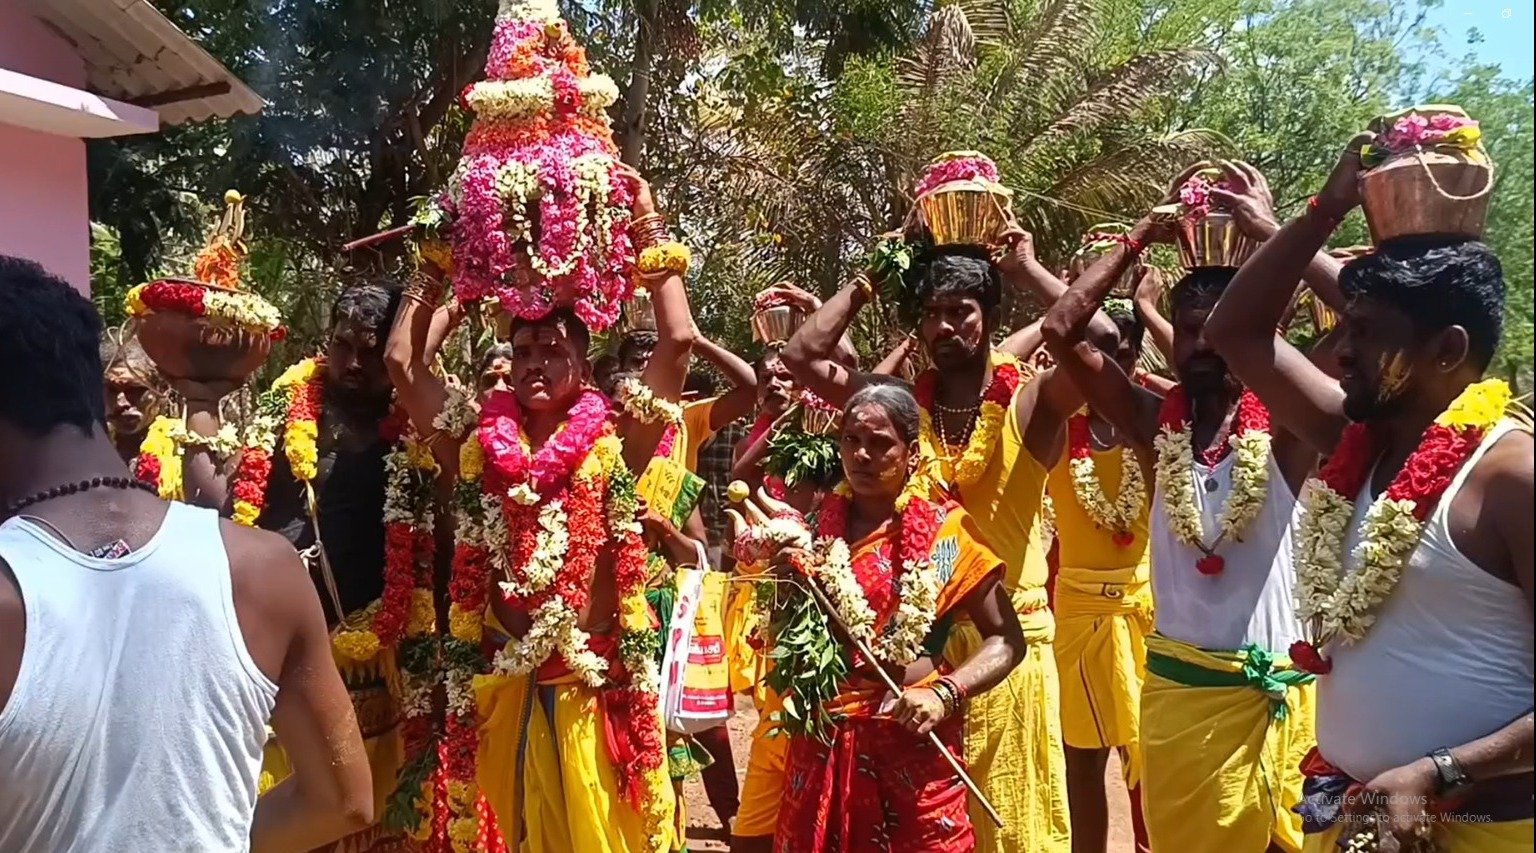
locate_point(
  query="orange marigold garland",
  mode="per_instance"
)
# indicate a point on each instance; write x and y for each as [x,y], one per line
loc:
[292,405]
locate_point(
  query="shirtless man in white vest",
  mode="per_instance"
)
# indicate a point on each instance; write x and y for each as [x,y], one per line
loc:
[145,645]
[1425,663]
[1225,718]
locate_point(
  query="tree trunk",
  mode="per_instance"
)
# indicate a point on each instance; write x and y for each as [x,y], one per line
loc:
[631,132]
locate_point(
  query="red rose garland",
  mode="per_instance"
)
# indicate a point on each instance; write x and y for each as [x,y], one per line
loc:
[1334,606]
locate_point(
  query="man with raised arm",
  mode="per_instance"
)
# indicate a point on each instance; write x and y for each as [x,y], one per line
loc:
[1224,717]
[568,726]
[145,644]
[1414,551]
[989,435]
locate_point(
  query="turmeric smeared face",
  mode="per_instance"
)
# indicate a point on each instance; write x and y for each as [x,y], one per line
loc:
[1378,359]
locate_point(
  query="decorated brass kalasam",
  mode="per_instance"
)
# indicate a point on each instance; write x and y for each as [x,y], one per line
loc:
[1210,239]
[776,324]
[1426,174]
[1099,241]
[185,347]
[966,213]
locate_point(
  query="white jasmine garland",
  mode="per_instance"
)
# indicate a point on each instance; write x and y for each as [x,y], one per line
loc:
[1121,514]
[902,640]
[644,406]
[1176,480]
[835,571]
[459,414]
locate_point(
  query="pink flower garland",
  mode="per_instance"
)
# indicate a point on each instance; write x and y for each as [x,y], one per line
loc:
[500,435]
[957,169]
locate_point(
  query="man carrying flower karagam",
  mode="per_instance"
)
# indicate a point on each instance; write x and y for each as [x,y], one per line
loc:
[990,433]
[315,471]
[1414,550]
[1224,716]
[566,727]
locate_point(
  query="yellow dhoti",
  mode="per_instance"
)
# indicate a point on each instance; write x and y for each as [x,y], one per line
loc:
[544,768]
[1508,837]
[762,789]
[1222,739]
[746,666]
[1103,617]
[373,687]
[1013,745]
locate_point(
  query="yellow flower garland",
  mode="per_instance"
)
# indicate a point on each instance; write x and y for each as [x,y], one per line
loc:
[300,435]
[670,256]
[984,436]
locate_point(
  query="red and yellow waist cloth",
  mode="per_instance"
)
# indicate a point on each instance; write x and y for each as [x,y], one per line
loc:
[549,758]
[1494,818]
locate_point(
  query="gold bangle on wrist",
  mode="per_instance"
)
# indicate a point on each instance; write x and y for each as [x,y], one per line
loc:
[864,285]
[649,230]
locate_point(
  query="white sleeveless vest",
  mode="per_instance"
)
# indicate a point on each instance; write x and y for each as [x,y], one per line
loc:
[1449,659]
[138,717]
[1251,601]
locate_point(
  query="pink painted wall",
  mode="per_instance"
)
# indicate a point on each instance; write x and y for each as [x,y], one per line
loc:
[44,213]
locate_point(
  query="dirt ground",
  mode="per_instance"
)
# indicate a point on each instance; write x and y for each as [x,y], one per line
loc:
[706,834]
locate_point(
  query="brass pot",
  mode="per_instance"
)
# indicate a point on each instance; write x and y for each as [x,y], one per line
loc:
[777,324]
[1212,240]
[966,213]
[640,313]
[185,347]
[1441,191]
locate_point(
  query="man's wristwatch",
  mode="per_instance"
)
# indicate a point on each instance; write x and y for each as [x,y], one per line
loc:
[1450,780]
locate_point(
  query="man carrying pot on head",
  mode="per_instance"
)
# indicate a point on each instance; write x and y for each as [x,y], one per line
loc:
[560,743]
[1414,550]
[1224,715]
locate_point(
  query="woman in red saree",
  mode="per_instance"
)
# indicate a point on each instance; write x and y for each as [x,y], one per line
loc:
[900,570]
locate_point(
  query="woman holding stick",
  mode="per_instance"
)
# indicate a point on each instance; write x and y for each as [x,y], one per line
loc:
[899,571]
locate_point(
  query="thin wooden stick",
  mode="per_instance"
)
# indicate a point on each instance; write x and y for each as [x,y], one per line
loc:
[890,683]
[381,237]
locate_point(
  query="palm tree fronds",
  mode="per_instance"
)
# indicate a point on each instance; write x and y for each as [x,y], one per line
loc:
[1125,92]
[990,20]
[946,51]
[1056,40]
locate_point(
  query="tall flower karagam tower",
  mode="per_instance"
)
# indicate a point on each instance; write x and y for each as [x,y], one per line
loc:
[537,213]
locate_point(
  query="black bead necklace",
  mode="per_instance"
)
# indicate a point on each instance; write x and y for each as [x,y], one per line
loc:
[123,483]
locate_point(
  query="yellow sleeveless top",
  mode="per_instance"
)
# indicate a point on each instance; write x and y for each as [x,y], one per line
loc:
[1083,544]
[1004,502]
